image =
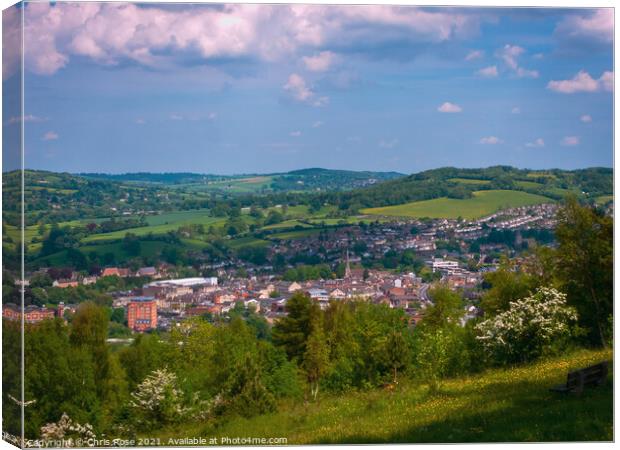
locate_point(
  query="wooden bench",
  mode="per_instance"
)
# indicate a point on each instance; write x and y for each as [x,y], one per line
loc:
[590,376]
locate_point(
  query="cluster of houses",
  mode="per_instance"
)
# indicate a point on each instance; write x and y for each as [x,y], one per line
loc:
[161,302]
[122,272]
[34,313]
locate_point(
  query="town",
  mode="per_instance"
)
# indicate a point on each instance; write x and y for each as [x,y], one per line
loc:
[450,249]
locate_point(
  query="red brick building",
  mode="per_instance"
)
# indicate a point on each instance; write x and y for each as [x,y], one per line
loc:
[32,314]
[115,271]
[142,314]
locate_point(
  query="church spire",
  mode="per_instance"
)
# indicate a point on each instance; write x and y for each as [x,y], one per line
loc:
[347,270]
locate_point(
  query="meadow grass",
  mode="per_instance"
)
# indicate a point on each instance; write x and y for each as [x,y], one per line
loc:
[469,181]
[603,199]
[481,204]
[498,405]
[247,241]
[528,184]
[296,234]
[236,185]
[286,224]
[148,249]
[170,222]
[540,175]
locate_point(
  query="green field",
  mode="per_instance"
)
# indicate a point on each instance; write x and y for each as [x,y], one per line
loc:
[296,234]
[233,185]
[148,249]
[501,405]
[468,181]
[540,175]
[528,184]
[161,224]
[604,199]
[480,205]
[180,217]
[248,241]
[286,224]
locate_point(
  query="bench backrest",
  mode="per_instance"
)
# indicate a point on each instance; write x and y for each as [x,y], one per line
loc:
[595,374]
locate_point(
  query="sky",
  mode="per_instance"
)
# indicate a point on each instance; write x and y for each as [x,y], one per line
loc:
[231,89]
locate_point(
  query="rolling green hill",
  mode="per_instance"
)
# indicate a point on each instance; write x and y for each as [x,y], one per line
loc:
[501,405]
[313,179]
[458,183]
[481,204]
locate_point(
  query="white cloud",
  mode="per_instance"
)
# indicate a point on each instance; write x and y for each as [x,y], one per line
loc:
[597,24]
[140,121]
[525,73]
[536,144]
[298,89]
[317,124]
[474,54]
[538,56]
[586,118]
[570,141]
[448,107]
[212,116]
[296,85]
[510,55]
[354,139]
[320,62]
[583,82]
[488,72]
[606,81]
[175,116]
[491,140]
[156,36]
[389,143]
[321,101]
[50,136]
[516,110]
[11,41]
[295,133]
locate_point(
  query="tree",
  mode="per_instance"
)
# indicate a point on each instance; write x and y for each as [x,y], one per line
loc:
[274,217]
[131,244]
[316,357]
[246,393]
[530,328]
[118,315]
[89,330]
[433,355]
[70,432]
[291,332]
[396,351]
[157,400]
[447,308]
[585,266]
[506,285]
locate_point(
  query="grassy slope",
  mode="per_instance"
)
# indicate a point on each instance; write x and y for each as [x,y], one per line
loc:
[481,204]
[160,224]
[498,405]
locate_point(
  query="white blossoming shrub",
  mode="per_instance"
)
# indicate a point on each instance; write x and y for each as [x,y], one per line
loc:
[533,326]
[71,433]
[157,400]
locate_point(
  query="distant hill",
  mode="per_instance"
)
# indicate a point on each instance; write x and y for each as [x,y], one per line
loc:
[58,197]
[317,179]
[451,182]
[311,179]
[148,177]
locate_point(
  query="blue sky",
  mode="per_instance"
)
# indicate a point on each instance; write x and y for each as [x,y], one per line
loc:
[256,88]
